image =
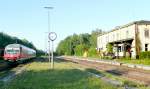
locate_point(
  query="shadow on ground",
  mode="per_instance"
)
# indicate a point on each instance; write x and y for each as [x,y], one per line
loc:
[46,59]
[117,72]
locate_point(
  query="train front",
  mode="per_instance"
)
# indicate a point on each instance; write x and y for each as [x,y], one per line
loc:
[11,54]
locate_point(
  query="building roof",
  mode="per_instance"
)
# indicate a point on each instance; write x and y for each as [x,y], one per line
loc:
[126,25]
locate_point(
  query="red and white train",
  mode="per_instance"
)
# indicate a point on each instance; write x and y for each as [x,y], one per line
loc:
[18,52]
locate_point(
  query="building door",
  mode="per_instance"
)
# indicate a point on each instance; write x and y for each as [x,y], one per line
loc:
[128,50]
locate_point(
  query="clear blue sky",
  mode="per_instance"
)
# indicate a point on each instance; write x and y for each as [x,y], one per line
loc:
[28,19]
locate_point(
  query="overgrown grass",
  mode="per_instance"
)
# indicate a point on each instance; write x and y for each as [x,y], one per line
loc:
[4,73]
[135,61]
[124,60]
[124,81]
[64,76]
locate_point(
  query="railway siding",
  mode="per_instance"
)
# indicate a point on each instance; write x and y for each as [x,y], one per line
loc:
[130,72]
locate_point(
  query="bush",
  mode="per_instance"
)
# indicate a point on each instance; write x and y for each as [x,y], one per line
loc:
[92,52]
[144,55]
[109,48]
[79,50]
[107,58]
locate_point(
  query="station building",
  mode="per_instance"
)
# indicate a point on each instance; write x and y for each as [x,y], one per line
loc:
[124,39]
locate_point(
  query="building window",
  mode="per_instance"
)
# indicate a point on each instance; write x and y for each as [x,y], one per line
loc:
[119,48]
[146,47]
[146,33]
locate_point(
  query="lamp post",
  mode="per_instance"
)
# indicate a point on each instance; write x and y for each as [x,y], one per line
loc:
[52,37]
[48,8]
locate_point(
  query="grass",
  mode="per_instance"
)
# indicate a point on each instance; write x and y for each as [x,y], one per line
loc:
[64,76]
[135,61]
[124,81]
[4,73]
[126,60]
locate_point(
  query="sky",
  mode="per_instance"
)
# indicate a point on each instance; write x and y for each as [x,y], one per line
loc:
[29,19]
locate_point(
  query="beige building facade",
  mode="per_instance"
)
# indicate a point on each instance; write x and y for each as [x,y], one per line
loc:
[124,39]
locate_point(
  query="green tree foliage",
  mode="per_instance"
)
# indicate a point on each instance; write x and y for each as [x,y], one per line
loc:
[85,38]
[67,46]
[79,50]
[79,44]
[109,48]
[92,52]
[6,39]
[93,38]
[40,52]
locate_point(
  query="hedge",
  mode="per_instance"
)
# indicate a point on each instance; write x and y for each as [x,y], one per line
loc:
[144,55]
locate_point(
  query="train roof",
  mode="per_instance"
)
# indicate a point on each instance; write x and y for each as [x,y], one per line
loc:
[13,45]
[17,46]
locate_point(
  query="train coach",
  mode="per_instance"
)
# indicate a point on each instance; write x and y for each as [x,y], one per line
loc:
[18,52]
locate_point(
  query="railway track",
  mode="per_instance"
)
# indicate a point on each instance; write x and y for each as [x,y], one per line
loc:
[138,75]
[4,66]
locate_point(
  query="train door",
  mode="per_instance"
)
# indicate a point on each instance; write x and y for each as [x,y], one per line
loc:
[21,52]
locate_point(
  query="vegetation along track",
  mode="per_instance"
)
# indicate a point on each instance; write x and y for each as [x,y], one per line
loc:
[8,72]
[129,73]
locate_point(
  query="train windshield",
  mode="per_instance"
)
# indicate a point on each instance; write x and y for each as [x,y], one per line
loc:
[12,51]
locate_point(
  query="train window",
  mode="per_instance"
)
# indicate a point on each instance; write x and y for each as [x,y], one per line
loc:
[12,51]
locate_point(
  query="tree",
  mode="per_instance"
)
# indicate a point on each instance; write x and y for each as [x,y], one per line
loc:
[92,52]
[79,50]
[137,42]
[94,34]
[79,44]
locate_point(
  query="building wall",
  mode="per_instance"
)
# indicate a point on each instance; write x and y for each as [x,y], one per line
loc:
[144,40]
[123,33]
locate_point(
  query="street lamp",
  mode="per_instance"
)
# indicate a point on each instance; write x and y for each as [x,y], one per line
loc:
[49,8]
